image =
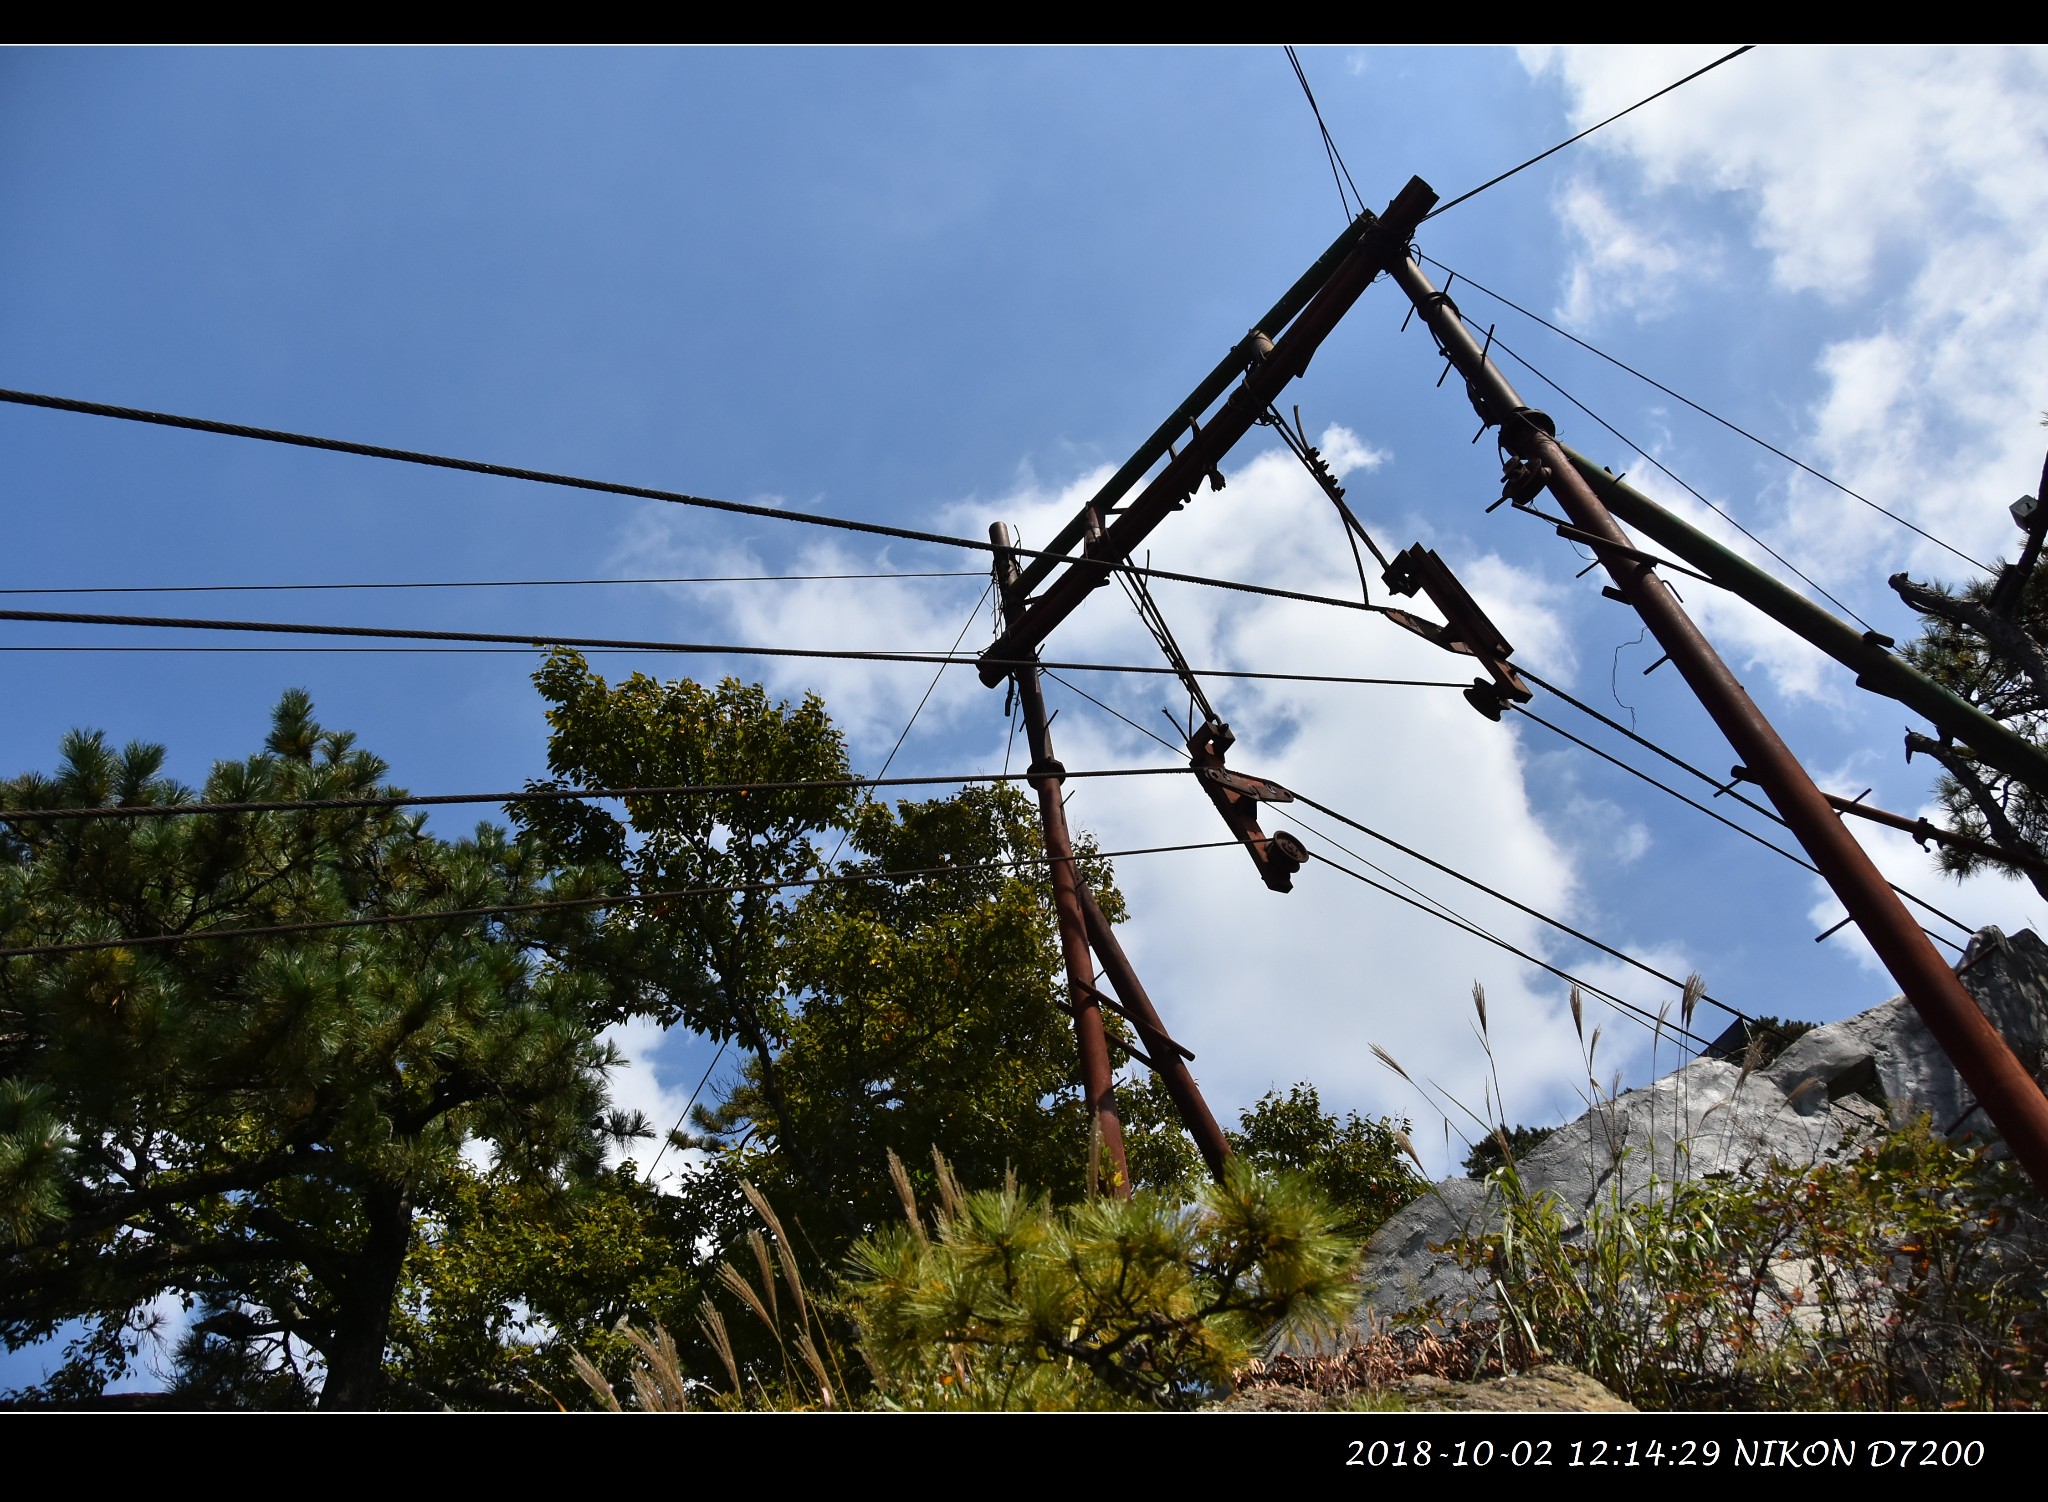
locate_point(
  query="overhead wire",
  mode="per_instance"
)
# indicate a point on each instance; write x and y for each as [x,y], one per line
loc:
[1444,909]
[607,487]
[1640,1015]
[118,811]
[676,1130]
[1107,709]
[1720,790]
[1502,346]
[1618,114]
[1311,459]
[1140,596]
[1338,169]
[889,760]
[624,899]
[542,641]
[188,589]
[1472,881]
[1708,412]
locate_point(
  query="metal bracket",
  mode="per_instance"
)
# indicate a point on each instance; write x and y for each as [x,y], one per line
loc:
[1467,629]
[1237,797]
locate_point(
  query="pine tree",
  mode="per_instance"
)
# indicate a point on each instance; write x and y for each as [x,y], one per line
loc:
[1988,643]
[254,1125]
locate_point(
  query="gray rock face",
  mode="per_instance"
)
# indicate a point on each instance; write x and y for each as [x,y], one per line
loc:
[1811,1103]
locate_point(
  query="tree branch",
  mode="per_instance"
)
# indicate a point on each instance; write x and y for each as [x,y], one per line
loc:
[2001,633]
[2003,834]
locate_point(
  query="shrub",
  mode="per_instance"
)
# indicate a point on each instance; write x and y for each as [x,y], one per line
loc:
[1906,1276]
[1008,1302]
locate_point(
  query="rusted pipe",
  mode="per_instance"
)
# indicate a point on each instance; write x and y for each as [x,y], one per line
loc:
[1097,1079]
[1924,830]
[1994,1075]
[1172,1070]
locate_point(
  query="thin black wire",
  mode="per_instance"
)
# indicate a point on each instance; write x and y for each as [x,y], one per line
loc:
[1444,908]
[191,589]
[1796,859]
[929,688]
[1311,460]
[606,487]
[1542,917]
[1329,144]
[536,795]
[1141,729]
[542,642]
[1490,182]
[1140,596]
[342,651]
[1629,1009]
[1725,790]
[703,1079]
[1708,412]
[1747,833]
[627,899]
[1622,437]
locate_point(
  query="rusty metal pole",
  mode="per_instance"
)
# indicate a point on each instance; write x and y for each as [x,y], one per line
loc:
[1166,1062]
[2001,1084]
[1097,1079]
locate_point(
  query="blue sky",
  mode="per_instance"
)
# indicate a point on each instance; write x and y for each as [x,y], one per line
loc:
[941,288]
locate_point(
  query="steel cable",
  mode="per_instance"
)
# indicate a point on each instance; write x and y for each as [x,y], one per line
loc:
[1706,412]
[607,487]
[627,899]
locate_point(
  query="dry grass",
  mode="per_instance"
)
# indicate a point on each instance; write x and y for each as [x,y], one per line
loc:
[1459,1353]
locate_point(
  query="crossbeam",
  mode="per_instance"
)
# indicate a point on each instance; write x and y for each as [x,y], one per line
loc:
[1268,365]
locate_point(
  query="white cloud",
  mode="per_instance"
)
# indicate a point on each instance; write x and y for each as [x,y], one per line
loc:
[1619,265]
[1905,186]
[870,701]
[1345,451]
[644,1085]
[1605,832]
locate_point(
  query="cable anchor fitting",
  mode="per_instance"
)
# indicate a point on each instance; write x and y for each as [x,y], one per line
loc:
[1051,769]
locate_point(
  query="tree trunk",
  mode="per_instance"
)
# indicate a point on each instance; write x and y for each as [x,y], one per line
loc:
[362,1319]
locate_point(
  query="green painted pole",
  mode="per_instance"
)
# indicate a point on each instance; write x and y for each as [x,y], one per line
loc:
[1877,669]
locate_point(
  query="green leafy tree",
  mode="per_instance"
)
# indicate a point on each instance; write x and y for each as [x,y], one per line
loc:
[509,1277]
[930,1018]
[1363,1167]
[256,1125]
[712,956]
[870,1014]
[1501,1146]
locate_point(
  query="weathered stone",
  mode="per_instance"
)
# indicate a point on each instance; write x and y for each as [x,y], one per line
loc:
[1828,1090]
[1541,1389]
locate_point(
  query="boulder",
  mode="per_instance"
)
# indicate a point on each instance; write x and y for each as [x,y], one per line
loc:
[1815,1101]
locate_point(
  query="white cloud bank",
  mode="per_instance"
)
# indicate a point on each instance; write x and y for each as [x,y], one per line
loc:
[1905,186]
